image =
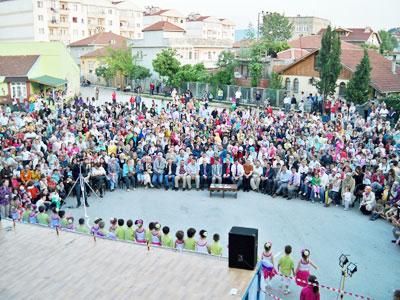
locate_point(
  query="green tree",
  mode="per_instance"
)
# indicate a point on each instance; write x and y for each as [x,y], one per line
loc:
[189,73]
[250,32]
[328,63]
[276,81]
[388,42]
[276,27]
[105,73]
[358,88]
[166,64]
[226,67]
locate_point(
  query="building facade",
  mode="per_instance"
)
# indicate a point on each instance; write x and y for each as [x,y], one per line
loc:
[28,67]
[190,50]
[307,25]
[67,20]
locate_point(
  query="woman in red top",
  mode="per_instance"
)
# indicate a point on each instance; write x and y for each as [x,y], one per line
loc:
[311,291]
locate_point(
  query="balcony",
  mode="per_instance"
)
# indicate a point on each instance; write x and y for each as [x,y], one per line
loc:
[53,23]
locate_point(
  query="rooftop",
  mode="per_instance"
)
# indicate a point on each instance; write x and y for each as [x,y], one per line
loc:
[102,38]
[16,65]
[163,26]
[313,42]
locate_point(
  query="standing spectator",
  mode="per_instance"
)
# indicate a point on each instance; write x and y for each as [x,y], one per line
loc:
[286,103]
[114,98]
[5,199]
[311,291]
[152,88]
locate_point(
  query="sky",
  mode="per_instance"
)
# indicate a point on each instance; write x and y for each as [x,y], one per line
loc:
[382,14]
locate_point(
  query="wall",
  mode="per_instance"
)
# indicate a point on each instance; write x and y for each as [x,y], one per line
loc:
[77,52]
[305,85]
[18,15]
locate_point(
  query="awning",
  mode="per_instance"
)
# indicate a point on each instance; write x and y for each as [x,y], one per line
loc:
[49,81]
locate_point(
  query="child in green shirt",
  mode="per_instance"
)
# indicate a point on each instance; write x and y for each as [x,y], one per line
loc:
[166,240]
[129,231]
[42,217]
[26,214]
[82,228]
[215,247]
[120,230]
[190,242]
[286,267]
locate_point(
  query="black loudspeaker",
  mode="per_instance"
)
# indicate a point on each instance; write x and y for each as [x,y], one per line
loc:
[243,244]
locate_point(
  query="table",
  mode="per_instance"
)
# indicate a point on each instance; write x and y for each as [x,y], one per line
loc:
[217,187]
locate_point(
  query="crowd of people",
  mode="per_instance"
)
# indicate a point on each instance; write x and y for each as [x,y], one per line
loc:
[329,153]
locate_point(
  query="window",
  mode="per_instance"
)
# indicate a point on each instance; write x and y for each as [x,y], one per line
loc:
[39,4]
[295,85]
[190,54]
[75,19]
[315,62]
[18,90]
[41,30]
[82,21]
[209,55]
[342,89]
[110,23]
[75,32]
[138,25]
[110,11]
[287,84]
[40,17]
[75,7]
[83,32]
[51,31]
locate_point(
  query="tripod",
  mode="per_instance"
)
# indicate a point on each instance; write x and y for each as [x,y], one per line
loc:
[82,182]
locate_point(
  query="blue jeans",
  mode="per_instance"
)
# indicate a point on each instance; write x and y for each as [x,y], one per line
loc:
[166,180]
[157,179]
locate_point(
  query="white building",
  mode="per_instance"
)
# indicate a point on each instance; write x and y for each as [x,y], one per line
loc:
[190,49]
[67,20]
[155,14]
[307,25]
[209,27]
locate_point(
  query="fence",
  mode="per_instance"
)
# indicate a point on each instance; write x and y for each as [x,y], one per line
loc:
[222,92]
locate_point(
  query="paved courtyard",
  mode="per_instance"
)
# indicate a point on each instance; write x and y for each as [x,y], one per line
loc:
[327,232]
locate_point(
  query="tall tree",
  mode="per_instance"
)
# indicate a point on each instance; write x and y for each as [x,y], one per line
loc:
[166,64]
[189,73]
[328,63]
[388,42]
[276,27]
[358,88]
[250,32]
[276,81]
[226,66]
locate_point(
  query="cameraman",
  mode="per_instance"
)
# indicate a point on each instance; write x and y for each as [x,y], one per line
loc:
[77,167]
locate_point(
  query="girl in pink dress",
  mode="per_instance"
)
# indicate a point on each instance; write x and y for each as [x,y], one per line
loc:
[303,268]
[267,263]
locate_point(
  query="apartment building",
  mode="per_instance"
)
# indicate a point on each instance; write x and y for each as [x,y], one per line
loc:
[307,25]
[67,20]
[209,27]
[190,49]
[154,14]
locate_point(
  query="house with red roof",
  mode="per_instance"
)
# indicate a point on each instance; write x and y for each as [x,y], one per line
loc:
[302,74]
[155,14]
[357,36]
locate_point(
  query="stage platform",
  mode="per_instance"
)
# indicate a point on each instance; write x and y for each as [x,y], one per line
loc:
[35,263]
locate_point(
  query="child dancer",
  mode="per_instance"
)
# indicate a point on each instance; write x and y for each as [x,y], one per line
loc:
[129,232]
[140,233]
[32,217]
[70,225]
[55,218]
[215,247]
[267,263]
[201,244]
[63,219]
[286,268]
[95,226]
[166,240]
[179,243]
[156,235]
[190,242]
[303,268]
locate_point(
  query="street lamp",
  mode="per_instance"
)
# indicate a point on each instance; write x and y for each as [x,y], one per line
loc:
[348,269]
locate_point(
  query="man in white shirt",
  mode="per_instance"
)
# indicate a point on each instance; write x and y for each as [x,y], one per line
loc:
[294,183]
[286,103]
[237,173]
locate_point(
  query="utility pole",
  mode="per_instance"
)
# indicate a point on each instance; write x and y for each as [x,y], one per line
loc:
[258,23]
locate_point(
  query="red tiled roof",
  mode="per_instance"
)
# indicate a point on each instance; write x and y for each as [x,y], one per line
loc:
[382,77]
[17,65]
[102,38]
[292,53]
[355,34]
[202,18]
[314,42]
[164,26]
